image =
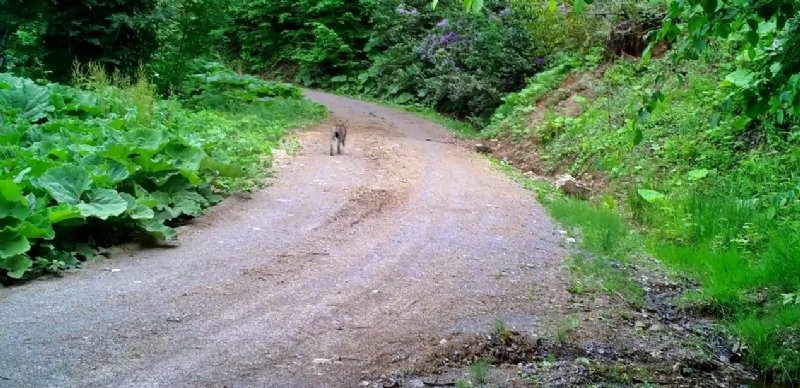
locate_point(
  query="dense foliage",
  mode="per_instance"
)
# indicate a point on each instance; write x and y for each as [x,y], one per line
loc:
[118,34]
[314,39]
[191,32]
[460,63]
[763,76]
[82,167]
[715,199]
[698,153]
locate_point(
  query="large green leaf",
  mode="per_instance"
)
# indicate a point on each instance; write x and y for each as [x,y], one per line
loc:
[189,203]
[16,265]
[65,183]
[32,101]
[158,230]
[37,226]
[651,196]
[12,202]
[12,243]
[145,139]
[185,156]
[137,209]
[741,78]
[63,212]
[103,203]
[696,175]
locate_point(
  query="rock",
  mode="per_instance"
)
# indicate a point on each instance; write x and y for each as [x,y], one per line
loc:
[391,383]
[570,186]
[483,149]
[417,383]
[320,361]
[656,327]
[640,325]
[443,342]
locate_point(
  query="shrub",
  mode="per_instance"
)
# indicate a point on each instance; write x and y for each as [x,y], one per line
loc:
[311,41]
[461,64]
[86,167]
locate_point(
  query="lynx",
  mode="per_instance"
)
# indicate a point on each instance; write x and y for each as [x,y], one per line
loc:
[338,136]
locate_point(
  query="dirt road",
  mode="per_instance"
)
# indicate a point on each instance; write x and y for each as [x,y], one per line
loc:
[346,269]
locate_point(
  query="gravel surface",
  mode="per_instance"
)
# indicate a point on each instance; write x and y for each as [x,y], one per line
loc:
[345,269]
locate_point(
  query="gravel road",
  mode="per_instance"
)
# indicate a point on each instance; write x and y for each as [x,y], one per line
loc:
[345,269]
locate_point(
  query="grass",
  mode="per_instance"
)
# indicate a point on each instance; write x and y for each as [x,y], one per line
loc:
[501,329]
[744,263]
[476,375]
[729,216]
[607,245]
[569,325]
[478,371]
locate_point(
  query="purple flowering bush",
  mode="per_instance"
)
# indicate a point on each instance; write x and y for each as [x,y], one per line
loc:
[458,63]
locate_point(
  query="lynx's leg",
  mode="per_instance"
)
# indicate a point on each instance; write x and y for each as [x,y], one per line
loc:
[334,140]
[339,146]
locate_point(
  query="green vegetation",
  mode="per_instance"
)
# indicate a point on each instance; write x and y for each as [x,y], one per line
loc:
[695,147]
[569,325]
[85,166]
[713,193]
[478,371]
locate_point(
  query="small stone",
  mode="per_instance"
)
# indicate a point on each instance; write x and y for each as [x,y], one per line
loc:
[639,325]
[677,368]
[442,342]
[483,149]
[570,186]
[365,383]
[320,361]
[417,383]
[656,327]
[115,270]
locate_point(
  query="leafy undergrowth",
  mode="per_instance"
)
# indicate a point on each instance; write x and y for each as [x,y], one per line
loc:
[713,195]
[81,168]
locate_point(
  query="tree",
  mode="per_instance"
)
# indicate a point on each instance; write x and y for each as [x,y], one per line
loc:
[119,34]
[766,75]
[310,39]
[193,29]
[15,13]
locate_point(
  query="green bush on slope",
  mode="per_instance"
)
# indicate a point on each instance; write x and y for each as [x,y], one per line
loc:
[715,195]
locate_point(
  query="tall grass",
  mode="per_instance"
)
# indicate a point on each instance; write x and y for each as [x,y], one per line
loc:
[745,263]
[607,242]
